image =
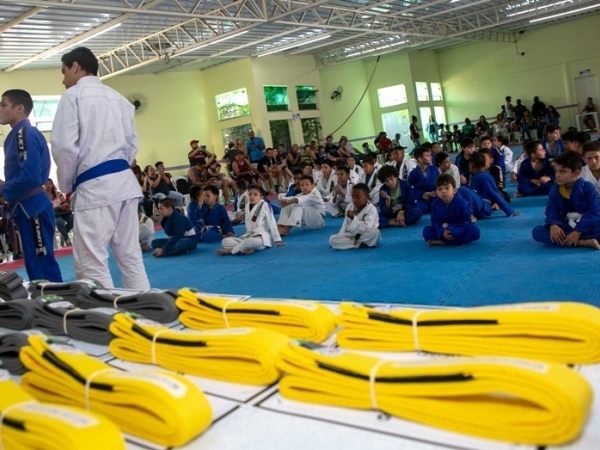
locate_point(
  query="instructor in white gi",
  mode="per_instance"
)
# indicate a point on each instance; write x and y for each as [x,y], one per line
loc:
[93,144]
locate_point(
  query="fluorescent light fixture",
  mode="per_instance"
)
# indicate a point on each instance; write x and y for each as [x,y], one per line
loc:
[383,47]
[294,45]
[209,43]
[573,11]
[81,41]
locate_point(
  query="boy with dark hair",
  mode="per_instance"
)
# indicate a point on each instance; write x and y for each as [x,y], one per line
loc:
[552,142]
[208,216]
[26,169]
[536,175]
[462,160]
[397,205]
[403,165]
[261,228]
[359,229]
[450,216]
[496,172]
[239,202]
[497,157]
[591,171]
[369,177]
[574,140]
[342,192]
[422,179]
[305,210]
[444,164]
[182,236]
[327,180]
[573,210]
[484,185]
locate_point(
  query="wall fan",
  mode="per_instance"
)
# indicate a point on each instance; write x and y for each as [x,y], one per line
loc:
[337,94]
[139,101]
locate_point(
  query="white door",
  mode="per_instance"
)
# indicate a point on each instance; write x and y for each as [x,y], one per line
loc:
[586,87]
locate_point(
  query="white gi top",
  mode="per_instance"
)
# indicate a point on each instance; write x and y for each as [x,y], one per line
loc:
[93,124]
[260,221]
[367,218]
[587,175]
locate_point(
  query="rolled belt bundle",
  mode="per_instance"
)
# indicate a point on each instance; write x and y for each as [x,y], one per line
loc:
[557,332]
[496,398]
[68,290]
[57,316]
[295,318]
[240,355]
[17,314]
[10,345]
[159,406]
[154,305]
[27,424]
[11,286]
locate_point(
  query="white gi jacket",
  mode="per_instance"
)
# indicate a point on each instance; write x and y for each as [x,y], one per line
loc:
[260,221]
[367,218]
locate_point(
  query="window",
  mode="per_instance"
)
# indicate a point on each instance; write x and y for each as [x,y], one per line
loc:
[440,114]
[44,110]
[276,98]
[398,122]
[422,91]
[311,129]
[436,92]
[280,133]
[232,104]
[231,134]
[306,97]
[392,95]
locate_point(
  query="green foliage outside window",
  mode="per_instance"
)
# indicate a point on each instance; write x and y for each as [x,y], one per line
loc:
[232,104]
[306,97]
[276,98]
[311,130]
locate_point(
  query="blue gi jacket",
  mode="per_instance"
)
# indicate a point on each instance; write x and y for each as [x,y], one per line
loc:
[205,217]
[422,183]
[454,217]
[583,200]
[176,226]
[485,186]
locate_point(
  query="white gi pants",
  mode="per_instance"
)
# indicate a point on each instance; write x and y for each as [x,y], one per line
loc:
[146,236]
[346,241]
[115,225]
[304,217]
[240,245]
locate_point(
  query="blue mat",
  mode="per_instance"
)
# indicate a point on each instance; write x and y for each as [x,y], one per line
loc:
[504,266]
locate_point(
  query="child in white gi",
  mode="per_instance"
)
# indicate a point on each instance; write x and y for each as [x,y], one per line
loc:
[327,180]
[305,210]
[369,178]
[146,231]
[239,202]
[359,229]
[261,229]
[342,193]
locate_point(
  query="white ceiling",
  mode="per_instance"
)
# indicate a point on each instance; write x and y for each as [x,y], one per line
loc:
[153,36]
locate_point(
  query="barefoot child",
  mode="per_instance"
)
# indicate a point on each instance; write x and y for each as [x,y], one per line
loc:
[573,210]
[261,228]
[305,210]
[450,216]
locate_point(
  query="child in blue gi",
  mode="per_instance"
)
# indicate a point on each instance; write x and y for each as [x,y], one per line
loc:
[182,236]
[462,160]
[422,179]
[573,210]
[450,216]
[26,169]
[397,205]
[495,171]
[208,216]
[536,175]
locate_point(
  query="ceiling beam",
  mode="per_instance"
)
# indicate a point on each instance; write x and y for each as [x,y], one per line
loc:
[22,18]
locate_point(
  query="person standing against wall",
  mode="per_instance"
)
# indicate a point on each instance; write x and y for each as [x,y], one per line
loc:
[94,142]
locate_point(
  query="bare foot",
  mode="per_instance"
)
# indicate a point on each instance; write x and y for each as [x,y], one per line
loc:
[517,195]
[590,243]
[432,243]
[283,230]
[495,207]
[249,251]
[146,248]
[223,251]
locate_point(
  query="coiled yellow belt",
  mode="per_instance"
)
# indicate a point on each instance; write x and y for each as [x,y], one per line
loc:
[28,424]
[295,318]
[241,355]
[498,398]
[555,331]
[155,405]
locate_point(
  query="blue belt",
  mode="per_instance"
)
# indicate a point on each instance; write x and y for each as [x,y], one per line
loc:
[104,168]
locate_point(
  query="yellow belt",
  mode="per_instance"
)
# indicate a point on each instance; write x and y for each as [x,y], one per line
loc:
[159,406]
[498,398]
[240,355]
[556,332]
[28,424]
[295,318]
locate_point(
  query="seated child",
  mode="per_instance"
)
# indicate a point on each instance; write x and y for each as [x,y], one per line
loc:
[497,157]
[403,165]
[359,229]
[573,210]
[450,216]
[261,228]
[209,217]
[484,185]
[552,142]
[462,160]
[457,137]
[422,179]
[536,175]
[369,178]
[591,171]
[182,236]
[305,210]
[146,231]
[239,202]
[442,160]
[327,180]
[495,171]
[501,144]
[342,193]
[574,140]
[397,205]
[294,187]
[355,170]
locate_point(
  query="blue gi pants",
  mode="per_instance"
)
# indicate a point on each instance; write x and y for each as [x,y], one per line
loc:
[209,236]
[467,235]
[183,246]
[411,216]
[541,234]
